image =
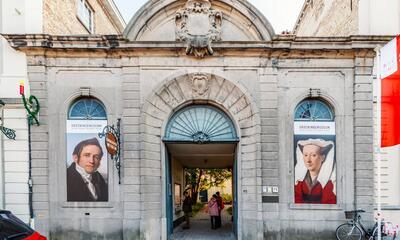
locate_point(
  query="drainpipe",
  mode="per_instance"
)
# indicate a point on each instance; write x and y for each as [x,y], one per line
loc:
[30,182]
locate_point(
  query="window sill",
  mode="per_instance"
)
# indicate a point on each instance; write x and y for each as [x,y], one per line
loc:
[315,206]
[87,205]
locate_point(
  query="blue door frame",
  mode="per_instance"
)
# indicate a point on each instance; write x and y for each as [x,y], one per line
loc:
[168,191]
[169,202]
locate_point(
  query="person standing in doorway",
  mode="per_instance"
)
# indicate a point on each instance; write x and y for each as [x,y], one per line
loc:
[187,209]
[213,211]
[220,207]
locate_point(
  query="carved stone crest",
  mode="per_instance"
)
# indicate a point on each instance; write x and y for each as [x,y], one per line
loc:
[198,25]
[200,84]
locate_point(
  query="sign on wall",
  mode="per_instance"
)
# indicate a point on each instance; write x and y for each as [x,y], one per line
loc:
[87,170]
[315,162]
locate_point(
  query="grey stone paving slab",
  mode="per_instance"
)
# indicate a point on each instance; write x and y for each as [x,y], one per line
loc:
[201,228]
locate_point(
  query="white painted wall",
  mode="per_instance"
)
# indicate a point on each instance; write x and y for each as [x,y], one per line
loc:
[379,17]
[16,162]
[1,165]
[16,17]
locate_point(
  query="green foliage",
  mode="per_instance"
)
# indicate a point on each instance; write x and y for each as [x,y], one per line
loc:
[227,198]
[229,210]
[197,207]
[203,179]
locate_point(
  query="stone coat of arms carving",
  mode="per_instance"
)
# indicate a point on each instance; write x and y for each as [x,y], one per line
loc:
[198,25]
[200,84]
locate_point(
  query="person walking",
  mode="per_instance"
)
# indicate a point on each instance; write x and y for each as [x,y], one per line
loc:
[213,211]
[220,207]
[187,209]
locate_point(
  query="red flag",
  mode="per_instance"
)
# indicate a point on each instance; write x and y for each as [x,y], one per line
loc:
[390,93]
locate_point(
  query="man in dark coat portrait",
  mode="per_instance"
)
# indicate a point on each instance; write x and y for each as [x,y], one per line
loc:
[84,182]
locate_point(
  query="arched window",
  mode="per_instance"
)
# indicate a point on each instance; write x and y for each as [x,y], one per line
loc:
[87,109]
[314,153]
[313,110]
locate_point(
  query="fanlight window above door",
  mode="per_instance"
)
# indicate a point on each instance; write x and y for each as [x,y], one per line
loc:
[87,109]
[313,110]
[200,123]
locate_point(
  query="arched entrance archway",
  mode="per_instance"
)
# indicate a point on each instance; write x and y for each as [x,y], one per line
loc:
[169,97]
[199,137]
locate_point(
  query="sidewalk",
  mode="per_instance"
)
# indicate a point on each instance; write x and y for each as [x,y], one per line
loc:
[201,228]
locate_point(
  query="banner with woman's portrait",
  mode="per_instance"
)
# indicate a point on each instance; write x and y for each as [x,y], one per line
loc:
[315,162]
[87,169]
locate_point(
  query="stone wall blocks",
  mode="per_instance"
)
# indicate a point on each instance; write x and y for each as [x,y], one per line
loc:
[131,112]
[131,120]
[150,147]
[249,206]
[270,147]
[364,62]
[129,154]
[269,164]
[39,171]
[131,145]
[40,197]
[150,172]
[365,182]
[363,79]
[131,181]
[248,140]
[269,155]
[363,87]
[251,148]
[269,113]
[131,197]
[235,96]
[268,87]
[364,165]
[130,95]
[246,123]
[365,105]
[224,92]
[130,83]
[361,156]
[146,163]
[150,189]
[364,199]
[249,165]
[151,120]
[131,104]
[150,214]
[270,173]
[363,96]
[130,163]
[40,146]
[39,163]
[149,156]
[40,205]
[131,137]
[363,71]
[368,131]
[363,113]
[269,139]
[147,129]
[128,172]
[39,129]
[130,129]
[269,96]
[362,147]
[132,188]
[129,206]
[40,188]
[269,130]
[150,180]
[129,214]
[364,122]
[249,181]
[270,181]
[245,113]
[32,69]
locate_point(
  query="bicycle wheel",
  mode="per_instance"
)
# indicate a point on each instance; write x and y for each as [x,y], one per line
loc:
[348,231]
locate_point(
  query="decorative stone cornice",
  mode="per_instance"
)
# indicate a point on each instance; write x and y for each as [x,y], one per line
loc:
[282,46]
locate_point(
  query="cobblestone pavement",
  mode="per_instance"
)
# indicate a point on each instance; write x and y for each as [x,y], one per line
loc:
[201,228]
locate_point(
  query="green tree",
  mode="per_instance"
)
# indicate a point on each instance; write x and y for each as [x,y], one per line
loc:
[198,179]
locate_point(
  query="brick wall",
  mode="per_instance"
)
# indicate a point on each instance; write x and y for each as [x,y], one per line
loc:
[60,18]
[329,18]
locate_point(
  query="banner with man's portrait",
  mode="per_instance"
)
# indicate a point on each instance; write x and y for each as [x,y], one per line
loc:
[87,168]
[315,162]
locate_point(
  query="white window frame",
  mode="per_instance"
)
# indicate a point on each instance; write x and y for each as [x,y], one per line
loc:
[85,14]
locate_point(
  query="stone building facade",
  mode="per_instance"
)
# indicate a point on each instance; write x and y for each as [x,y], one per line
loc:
[171,58]
[345,18]
[33,17]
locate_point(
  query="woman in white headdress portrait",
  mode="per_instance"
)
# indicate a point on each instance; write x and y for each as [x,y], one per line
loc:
[315,175]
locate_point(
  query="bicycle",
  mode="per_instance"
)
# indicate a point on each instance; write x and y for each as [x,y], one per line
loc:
[355,230]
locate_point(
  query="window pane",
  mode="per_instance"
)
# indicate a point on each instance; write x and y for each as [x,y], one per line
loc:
[313,110]
[87,108]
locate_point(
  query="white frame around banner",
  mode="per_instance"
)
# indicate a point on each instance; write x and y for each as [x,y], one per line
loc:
[378,140]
